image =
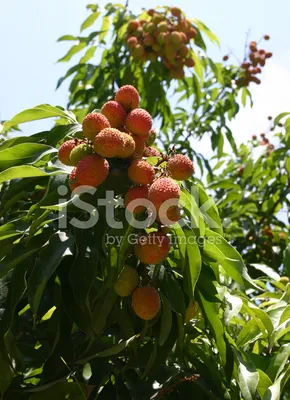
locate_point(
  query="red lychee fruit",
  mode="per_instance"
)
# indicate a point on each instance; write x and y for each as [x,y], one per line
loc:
[192,33]
[225,58]
[128,97]
[110,142]
[180,167]
[151,152]
[253,46]
[139,122]
[94,123]
[269,54]
[169,216]
[146,302]
[152,248]
[132,42]
[133,26]
[189,62]
[140,172]
[163,189]
[266,37]
[73,183]
[254,137]
[115,113]
[92,171]
[65,150]
[139,146]
[136,193]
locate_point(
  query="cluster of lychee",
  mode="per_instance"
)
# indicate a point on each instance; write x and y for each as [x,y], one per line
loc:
[163,36]
[253,64]
[123,130]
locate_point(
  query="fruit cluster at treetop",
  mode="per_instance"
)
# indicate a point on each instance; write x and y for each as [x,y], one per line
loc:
[253,64]
[124,131]
[163,36]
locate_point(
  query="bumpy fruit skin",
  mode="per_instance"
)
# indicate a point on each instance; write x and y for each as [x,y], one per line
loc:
[151,152]
[139,146]
[132,42]
[169,216]
[128,97]
[189,62]
[134,193]
[146,302]
[127,281]
[180,167]
[133,25]
[79,152]
[112,143]
[163,189]
[94,123]
[191,311]
[175,11]
[152,248]
[140,172]
[92,170]
[73,183]
[115,113]
[65,150]
[139,122]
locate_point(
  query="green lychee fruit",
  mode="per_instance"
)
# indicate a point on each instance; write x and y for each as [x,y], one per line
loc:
[79,152]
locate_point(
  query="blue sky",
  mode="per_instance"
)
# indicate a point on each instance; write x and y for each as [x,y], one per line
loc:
[29,30]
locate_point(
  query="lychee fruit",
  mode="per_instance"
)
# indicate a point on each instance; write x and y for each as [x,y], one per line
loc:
[175,38]
[169,215]
[140,172]
[183,50]
[163,189]
[112,143]
[266,37]
[94,123]
[65,150]
[152,248]
[192,33]
[79,152]
[92,170]
[115,113]
[148,40]
[139,122]
[128,97]
[175,11]
[139,146]
[152,137]
[146,302]
[138,51]
[151,152]
[133,25]
[189,62]
[73,183]
[136,193]
[132,42]
[180,167]
[127,281]
[191,311]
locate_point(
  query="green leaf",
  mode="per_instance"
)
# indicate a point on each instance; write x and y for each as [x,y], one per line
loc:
[191,207]
[25,171]
[193,264]
[104,28]
[67,37]
[264,383]
[210,311]
[274,391]
[89,54]
[90,20]
[61,390]
[73,50]
[23,154]
[287,259]
[200,25]
[248,377]
[39,112]
[280,116]
[50,257]
[267,271]
[112,351]
[278,362]
[165,321]
[6,374]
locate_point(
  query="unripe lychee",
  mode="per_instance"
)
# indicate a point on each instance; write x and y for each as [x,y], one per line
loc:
[157,18]
[127,281]
[140,172]
[150,27]
[146,302]
[180,167]
[152,248]
[152,137]
[128,97]
[132,26]
[151,152]
[163,189]
[132,42]
[152,56]
[148,40]
[111,142]
[156,47]
[138,51]
[65,150]
[115,113]
[139,122]
[139,146]
[92,170]
[177,73]
[175,37]
[134,193]
[161,38]
[191,311]
[192,33]
[73,183]
[163,26]
[79,152]
[94,123]
[183,50]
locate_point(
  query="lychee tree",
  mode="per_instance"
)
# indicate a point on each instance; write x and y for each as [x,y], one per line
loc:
[98,302]
[163,52]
